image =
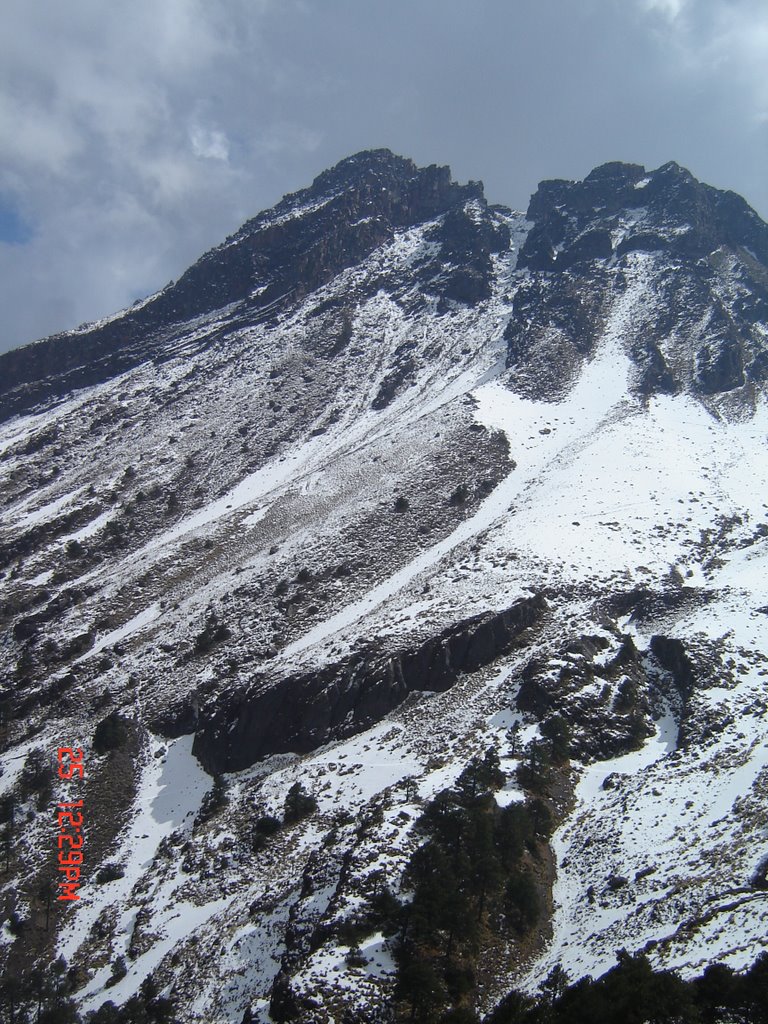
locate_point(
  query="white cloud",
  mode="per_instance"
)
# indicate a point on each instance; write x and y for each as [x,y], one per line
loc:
[724,38]
[110,136]
[740,42]
[209,143]
[670,9]
[33,137]
[278,138]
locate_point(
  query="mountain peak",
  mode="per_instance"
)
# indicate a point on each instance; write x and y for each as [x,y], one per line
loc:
[367,161]
[615,170]
[666,209]
[588,227]
[306,239]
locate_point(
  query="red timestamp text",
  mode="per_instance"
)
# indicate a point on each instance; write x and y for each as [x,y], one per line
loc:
[69,817]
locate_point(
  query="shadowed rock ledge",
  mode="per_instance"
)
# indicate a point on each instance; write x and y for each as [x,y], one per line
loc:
[302,711]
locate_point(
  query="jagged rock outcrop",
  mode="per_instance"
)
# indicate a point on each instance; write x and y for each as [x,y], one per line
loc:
[623,208]
[672,655]
[599,689]
[469,235]
[301,712]
[700,329]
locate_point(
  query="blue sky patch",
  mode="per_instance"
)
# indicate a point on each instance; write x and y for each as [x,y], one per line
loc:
[14,230]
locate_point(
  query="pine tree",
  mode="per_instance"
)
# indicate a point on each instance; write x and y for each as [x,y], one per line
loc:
[298,804]
[521,901]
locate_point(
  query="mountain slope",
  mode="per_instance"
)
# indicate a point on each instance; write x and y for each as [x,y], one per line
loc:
[391,478]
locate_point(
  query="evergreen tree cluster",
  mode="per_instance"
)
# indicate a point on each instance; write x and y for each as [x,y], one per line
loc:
[298,804]
[633,993]
[473,875]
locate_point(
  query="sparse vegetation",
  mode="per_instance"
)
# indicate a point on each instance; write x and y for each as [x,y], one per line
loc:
[213,801]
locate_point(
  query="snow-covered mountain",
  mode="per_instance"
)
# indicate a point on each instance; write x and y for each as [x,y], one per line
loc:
[389,485]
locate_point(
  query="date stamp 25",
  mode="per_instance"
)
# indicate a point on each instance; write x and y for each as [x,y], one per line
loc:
[69,817]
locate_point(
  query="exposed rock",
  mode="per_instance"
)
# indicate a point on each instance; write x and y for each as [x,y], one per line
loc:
[300,712]
[720,367]
[603,700]
[468,236]
[672,655]
[584,235]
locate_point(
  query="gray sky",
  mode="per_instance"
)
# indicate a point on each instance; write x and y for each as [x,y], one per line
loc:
[135,137]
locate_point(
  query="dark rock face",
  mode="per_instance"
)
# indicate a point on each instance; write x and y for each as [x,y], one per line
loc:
[285,253]
[554,327]
[672,655]
[705,250]
[656,377]
[721,366]
[663,209]
[283,1005]
[301,712]
[602,700]
[468,236]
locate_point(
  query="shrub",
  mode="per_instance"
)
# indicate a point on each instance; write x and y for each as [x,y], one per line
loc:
[212,633]
[36,775]
[268,825]
[298,804]
[355,957]
[459,496]
[265,827]
[119,971]
[110,873]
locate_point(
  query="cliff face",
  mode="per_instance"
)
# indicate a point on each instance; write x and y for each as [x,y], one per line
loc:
[302,712]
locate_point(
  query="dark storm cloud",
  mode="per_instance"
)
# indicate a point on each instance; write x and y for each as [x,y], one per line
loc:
[134,139]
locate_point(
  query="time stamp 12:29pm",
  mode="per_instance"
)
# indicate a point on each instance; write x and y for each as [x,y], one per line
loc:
[69,816]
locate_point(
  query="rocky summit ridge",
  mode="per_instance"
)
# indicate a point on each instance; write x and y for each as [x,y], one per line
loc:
[401,572]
